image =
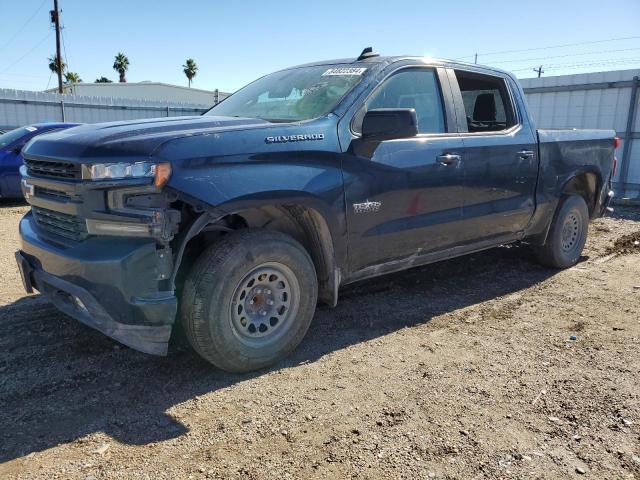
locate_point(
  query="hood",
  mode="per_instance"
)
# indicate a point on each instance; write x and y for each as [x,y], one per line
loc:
[130,140]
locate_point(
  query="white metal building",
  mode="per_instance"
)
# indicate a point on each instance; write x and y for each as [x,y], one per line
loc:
[19,107]
[607,100]
[150,91]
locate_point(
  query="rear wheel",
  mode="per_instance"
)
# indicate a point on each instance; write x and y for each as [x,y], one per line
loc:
[567,235]
[249,300]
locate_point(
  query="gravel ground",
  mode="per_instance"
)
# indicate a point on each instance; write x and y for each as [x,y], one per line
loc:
[488,366]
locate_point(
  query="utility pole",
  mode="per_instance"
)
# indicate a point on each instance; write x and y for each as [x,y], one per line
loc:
[55,19]
[539,70]
[475,58]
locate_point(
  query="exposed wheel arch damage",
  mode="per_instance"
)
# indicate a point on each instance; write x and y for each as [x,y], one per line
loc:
[585,184]
[305,224]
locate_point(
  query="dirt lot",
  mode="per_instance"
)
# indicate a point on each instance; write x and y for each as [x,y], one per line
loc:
[484,367]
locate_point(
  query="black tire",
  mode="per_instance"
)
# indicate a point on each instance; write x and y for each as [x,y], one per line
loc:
[567,235]
[227,284]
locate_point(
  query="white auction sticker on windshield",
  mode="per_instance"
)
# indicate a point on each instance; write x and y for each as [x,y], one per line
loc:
[344,71]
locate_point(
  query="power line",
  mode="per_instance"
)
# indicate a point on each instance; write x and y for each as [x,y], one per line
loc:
[552,46]
[569,67]
[28,53]
[22,75]
[564,56]
[576,67]
[5,82]
[582,65]
[64,48]
[586,64]
[599,62]
[15,35]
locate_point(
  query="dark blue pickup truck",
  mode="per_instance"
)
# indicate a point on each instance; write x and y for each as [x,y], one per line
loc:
[231,226]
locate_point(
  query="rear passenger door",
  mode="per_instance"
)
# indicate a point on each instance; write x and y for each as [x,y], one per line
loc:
[500,155]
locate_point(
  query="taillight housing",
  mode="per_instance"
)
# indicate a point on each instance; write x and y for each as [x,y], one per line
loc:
[616,145]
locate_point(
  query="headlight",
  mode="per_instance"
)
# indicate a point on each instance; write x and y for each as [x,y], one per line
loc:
[111,171]
[118,171]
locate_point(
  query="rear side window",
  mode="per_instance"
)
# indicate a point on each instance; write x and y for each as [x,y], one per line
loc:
[486,100]
[411,88]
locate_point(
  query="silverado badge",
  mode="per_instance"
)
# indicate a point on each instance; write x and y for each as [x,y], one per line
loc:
[295,138]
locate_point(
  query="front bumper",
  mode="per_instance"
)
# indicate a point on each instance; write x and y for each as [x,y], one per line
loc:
[110,284]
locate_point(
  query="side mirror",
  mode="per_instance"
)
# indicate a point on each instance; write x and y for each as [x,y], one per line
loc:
[389,123]
[17,149]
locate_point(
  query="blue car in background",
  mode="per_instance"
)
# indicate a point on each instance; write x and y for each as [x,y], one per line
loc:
[11,144]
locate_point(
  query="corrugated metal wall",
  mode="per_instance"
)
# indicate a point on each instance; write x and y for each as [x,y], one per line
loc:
[593,100]
[18,108]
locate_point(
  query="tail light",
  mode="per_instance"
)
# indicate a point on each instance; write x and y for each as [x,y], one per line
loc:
[616,145]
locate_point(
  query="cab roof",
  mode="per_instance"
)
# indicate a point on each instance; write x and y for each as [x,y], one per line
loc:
[389,59]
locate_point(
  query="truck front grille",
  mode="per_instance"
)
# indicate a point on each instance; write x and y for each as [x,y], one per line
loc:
[68,226]
[54,194]
[52,169]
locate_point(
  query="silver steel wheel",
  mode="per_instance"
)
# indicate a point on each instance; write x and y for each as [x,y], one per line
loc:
[264,303]
[571,231]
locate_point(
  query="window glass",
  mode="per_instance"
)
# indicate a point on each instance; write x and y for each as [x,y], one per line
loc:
[14,135]
[486,102]
[412,88]
[292,95]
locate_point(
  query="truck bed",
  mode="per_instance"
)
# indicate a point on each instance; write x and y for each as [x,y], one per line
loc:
[563,152]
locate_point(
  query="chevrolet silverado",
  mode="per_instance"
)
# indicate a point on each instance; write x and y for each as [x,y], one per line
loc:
[233,225]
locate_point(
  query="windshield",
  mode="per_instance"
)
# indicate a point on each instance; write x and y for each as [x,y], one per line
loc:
[292,95]
[13,135]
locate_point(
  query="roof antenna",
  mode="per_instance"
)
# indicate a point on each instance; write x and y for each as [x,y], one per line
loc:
[367,53]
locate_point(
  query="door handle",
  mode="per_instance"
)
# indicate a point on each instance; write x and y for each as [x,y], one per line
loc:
[449,159]
[525,154]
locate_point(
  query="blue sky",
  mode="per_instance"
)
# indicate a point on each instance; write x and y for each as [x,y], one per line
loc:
[233,42]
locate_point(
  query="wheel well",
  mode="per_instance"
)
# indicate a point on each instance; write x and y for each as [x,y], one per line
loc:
[306,225]
[584,185]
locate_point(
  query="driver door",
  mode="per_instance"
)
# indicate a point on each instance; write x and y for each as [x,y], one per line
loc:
[403,196]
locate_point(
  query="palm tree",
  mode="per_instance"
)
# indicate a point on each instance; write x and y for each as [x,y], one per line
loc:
[190,69]
[72,78]
[121,65]
[56,64]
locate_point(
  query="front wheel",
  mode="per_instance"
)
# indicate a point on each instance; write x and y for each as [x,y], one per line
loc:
[249,300]
[567,235]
